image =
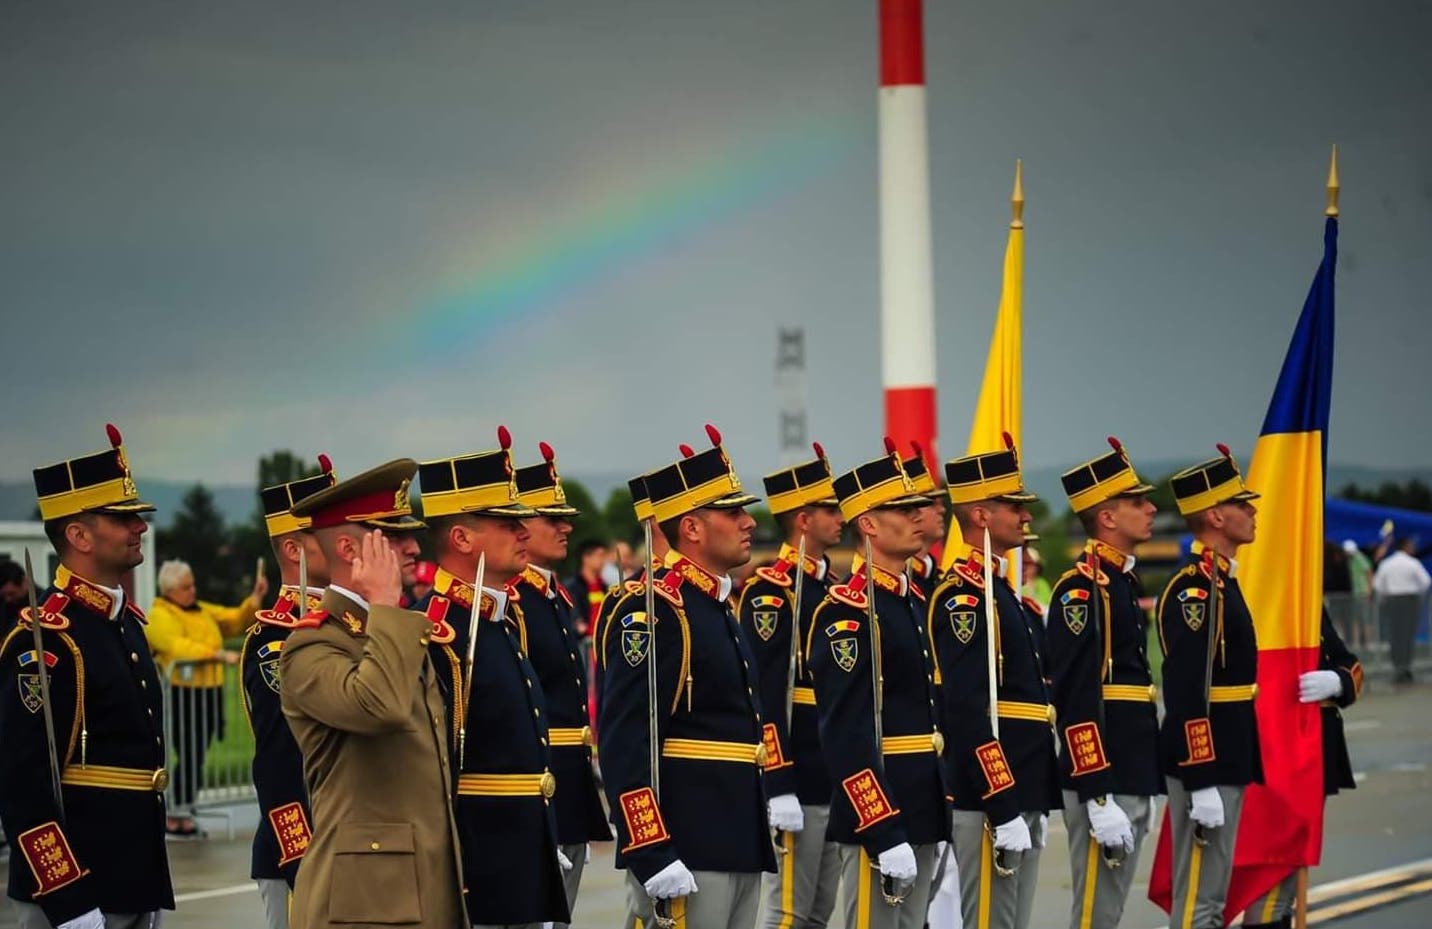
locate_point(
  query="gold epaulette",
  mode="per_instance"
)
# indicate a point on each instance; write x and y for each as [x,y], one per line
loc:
[1083,568]
[668,587]
[52,613]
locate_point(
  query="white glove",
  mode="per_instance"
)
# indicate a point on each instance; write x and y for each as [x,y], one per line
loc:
[674,880]
[898,862]
[1110,824]
[785,813]
[1317,686]
[1013,836]
[94,919]
[564,861]
[1207,808]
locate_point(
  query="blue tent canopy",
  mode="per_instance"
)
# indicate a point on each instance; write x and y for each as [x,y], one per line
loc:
[1362,522]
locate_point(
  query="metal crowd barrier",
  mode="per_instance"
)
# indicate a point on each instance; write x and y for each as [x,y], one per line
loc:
[211,747]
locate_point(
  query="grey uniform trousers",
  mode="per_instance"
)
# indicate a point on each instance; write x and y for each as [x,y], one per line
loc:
[572,879]
[988,901]
[801,894]
[723,900]
[865,905]
[1201,872]
[1276,904]
[275,894]
[1101,891]
[31,916]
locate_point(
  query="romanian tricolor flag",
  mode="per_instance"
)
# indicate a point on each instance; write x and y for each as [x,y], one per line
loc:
[999,408]
[1281,573]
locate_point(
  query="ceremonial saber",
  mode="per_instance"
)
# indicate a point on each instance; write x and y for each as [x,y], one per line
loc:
[1211,621]
[1112,855]
[791,671]
[43,673]
[302,580]
[660,908]
[992,660]
[894,891]
[472,626]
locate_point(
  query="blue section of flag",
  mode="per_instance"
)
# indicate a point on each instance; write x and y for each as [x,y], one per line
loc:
[1305,386]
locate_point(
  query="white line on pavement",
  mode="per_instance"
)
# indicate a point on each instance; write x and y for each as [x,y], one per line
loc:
[216,892]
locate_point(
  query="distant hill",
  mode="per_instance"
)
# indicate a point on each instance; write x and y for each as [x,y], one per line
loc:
[237,503]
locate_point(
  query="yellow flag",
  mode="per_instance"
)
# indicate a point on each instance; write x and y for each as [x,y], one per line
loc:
[999,408]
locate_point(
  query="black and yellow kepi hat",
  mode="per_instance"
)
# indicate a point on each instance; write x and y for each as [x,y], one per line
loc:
[876,484]
[482,484]
[807,484]
[640,499]
[919,471]
[279,500]
[1210,483]
[1106,477]
[987,476]
[696,482]
[98,483]
[378,498]
[540,487]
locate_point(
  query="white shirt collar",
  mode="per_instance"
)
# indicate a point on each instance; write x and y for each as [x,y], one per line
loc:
[116,605]
[345,592]
[723,587]
[499,606]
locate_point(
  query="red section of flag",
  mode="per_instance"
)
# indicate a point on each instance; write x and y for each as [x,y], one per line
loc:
[910,415]
[902,43]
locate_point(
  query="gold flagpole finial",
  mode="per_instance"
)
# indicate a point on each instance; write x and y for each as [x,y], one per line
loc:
[1016,199]
[1333,187]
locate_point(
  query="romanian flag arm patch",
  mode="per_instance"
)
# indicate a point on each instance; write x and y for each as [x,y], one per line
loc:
[48,854]
[995,767]
[644,825]
[1198,733]
[1086,748]
[867,798]
[775,758]
[290,827]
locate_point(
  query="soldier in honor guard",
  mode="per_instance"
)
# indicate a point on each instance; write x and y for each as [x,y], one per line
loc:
[363,702]
[868,652]
[284,829]
[512,867]
[1209,738]
[924,566]
[556,655]
[680,725]
[1336,684]
[802,500]
[998,720]
[82,773]
[1103,690]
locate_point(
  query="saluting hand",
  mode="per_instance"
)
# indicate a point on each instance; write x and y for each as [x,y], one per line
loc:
[377,575]
[261,587]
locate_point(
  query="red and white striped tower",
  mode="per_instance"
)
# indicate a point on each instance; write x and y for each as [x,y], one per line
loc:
[907,304]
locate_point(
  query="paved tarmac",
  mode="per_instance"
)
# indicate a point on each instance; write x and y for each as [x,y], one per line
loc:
[1385,824]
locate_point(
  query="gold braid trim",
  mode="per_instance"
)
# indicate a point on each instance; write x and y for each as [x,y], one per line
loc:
[457,702]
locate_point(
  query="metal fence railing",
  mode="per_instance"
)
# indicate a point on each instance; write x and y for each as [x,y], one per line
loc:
[211,746]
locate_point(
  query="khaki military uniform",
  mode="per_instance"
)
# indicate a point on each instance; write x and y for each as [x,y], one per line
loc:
[366,711]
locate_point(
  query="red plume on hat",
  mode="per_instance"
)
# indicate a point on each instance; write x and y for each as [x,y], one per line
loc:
[504,437]
[686,450]
[890,447]
[713,434]
[114,437]
[325,464]
[1223,450]
[547,452]
[819,450]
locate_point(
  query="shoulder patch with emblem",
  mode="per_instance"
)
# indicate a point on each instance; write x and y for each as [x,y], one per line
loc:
[1074,605]
[961,609]
[636,638]
[1193,601]
[845,651]
[268,655]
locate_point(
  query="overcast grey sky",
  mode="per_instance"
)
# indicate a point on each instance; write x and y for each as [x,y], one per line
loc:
[376,228]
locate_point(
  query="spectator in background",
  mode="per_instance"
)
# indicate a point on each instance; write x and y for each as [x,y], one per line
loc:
[1034,584]
[587,586]
[626,558]
[1400,584]
[186,635]
[424,573]
[1337,588]
[1360,573]
[14,593]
